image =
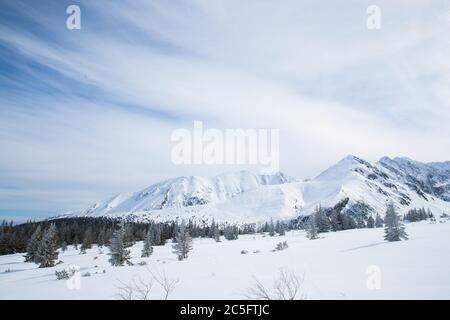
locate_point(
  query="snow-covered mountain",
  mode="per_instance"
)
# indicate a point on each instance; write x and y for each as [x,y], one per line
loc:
[353,185]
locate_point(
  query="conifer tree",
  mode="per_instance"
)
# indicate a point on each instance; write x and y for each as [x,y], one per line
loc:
[394,230]
[271,228]
[47,252]
[281,228]
[88,239]
[118,253]
[148,249]
[212,229]
[184,243]
[311,227]
[378,221]
[370,222]
[322,222]
[216,233]
[33,244]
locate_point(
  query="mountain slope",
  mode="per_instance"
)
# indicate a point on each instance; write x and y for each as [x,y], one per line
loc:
[353,185]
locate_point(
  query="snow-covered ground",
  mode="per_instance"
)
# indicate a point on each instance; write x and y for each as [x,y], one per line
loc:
[337,266]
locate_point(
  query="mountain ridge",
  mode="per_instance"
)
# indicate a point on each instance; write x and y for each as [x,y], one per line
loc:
[244,197]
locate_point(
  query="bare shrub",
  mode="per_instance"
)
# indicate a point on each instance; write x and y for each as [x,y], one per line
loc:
[139,289]
[135,290]
[165,282]
[285,287]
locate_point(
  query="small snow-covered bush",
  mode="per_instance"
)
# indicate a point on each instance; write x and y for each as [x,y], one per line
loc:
[281,246]
[87,274]
[62,275]
[142,263]
[65,274]
[256,251]
[244,251]
[95,258]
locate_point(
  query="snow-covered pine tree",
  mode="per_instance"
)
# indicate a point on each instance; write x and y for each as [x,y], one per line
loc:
[394,230]
[336,221]
[322,221]
[128,238]
[174,233]
[378,221]
[370,222]
[311,226]
[184,243]
[33,244]
[212,229]
[231,232]
[75,243]
[148,249]
[88,239]
[118,253]
[157,241]
[63,246]
[271,228]
[281,228]
[47,252]
[216,233]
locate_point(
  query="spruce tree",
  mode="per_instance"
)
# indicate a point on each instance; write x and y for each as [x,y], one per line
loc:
[47,252]
[157,241]
[336,221]
[174,233]
[378,221]
[271,228]
[128,239]
[394,230]
[216,233]
[231,232]
[370,222]
[311,227]
[184,243]
[148,249]
[88,239]
[281,228]
[322,222]
[33,244]
[118,253]
[212,229]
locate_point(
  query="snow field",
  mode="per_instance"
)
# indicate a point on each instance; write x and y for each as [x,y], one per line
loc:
[334,267]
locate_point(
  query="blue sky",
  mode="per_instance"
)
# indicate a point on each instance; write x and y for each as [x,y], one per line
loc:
[88,113]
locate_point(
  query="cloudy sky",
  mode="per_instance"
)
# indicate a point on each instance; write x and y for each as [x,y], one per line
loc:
[88,113]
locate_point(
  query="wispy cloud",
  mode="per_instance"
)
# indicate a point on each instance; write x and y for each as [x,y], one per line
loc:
[89,112]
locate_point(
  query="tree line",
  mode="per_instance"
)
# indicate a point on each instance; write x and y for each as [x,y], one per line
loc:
[40,240]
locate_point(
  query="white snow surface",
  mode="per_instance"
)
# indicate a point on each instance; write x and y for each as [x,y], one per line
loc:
[244,197]
[336,266]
